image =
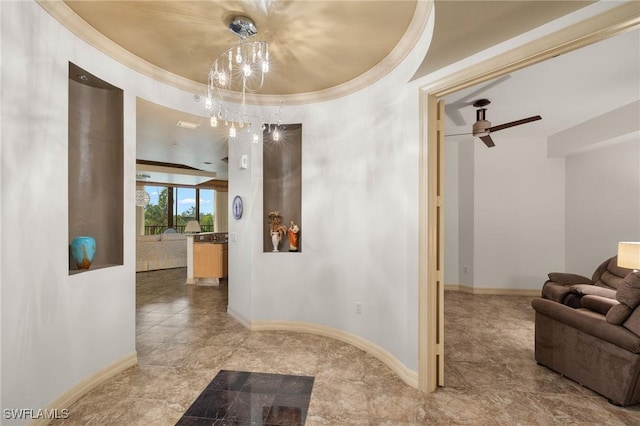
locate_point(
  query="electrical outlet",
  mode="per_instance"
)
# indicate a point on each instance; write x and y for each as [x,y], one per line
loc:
[233,236]
[358,308]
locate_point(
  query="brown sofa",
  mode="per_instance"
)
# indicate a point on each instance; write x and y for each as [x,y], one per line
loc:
[568,289]
[596,344]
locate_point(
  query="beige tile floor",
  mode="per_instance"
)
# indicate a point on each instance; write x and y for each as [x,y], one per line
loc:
[184,337]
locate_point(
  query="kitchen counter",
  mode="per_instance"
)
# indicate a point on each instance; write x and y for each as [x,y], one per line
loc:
[207,258]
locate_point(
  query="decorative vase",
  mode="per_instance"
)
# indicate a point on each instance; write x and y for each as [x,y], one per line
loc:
[83,249]
[275,240]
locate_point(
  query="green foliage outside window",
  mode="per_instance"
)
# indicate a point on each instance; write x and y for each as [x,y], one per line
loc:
[156,216]
[206,222]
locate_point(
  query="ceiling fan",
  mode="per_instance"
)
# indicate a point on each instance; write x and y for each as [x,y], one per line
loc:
[483,129]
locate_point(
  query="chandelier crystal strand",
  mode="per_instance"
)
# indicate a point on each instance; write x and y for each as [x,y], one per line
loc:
[239,69]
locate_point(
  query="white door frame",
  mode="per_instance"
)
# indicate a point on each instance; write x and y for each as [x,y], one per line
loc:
[430,313]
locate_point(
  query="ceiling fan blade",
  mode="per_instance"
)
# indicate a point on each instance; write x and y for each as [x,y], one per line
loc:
[514,123]
[458,134]
[487,141]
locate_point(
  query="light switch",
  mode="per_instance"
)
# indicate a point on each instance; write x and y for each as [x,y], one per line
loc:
[244,161]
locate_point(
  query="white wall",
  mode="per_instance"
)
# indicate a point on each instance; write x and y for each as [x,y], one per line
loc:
[510,215]
[603,184]
[242,239]
[533,215]
[603,203]
[57,329]
[360,219]
[519,214]
[465,212]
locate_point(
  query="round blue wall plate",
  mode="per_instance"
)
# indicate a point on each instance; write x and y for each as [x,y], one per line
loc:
[237,207]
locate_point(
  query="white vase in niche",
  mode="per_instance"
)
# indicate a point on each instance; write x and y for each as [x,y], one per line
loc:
[275,240]
[276,229]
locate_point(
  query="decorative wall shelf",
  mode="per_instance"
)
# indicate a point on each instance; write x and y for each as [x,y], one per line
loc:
[282,181]
[96,166]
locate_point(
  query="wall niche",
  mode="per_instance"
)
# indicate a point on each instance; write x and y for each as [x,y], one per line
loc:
[282,181]
[96,166]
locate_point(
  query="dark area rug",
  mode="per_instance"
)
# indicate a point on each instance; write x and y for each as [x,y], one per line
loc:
[244,398]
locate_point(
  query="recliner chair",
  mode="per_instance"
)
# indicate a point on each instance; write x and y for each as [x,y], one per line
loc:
[568,288]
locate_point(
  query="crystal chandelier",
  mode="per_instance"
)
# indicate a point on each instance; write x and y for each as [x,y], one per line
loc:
[241,68]
[142,198]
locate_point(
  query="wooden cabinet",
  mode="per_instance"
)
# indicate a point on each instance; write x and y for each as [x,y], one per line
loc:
[210,260]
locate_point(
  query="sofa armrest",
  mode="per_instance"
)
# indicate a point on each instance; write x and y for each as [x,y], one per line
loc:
[554,291]
[599,304]
[568,279]
[588,322]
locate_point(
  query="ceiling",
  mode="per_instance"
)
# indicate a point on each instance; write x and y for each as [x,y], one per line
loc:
[326,45]
[321,42]
[459,32]
[160,140]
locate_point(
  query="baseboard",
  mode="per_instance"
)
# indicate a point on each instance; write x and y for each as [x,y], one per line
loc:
[245,322]
[70,396]
[407,375]
[495,291]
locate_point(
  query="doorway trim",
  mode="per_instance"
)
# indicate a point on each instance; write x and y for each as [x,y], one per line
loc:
[612,22]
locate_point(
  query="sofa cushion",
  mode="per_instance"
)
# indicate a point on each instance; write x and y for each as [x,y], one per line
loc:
[628,294]
[609,274]
[618,314]
[584,289]
[609,280]
[598,304]
[629,290]
[633,323]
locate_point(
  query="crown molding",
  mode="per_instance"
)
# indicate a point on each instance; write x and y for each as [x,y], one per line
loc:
[69,19]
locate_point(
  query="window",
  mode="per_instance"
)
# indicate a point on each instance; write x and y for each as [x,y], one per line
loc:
[156,214]
[207,209]
[184,207]
[174,207]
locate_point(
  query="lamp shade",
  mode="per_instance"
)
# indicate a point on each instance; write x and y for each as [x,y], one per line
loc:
[629,255]
[192,226]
